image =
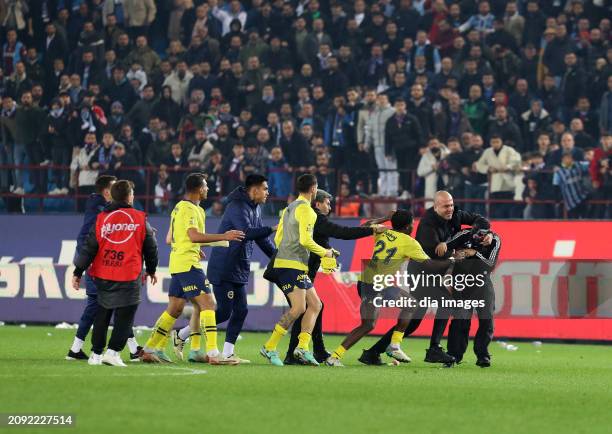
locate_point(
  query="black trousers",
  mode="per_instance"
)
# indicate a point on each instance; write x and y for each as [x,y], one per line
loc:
[318,345]
[458,333]
[436,335]
[122,327]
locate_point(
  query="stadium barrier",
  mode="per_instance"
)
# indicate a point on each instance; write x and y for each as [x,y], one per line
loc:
[368,203]
[554,279]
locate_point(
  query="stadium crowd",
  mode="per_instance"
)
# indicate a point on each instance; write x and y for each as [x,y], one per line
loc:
[505,100]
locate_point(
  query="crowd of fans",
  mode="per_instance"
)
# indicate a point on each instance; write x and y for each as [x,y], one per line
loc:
[504,100]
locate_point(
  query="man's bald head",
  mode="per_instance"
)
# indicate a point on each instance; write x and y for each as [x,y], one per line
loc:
[443,204]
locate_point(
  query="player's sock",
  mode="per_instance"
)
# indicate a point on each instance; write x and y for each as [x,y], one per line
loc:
[77,345]
[132,345]
[277,335]
[228,349]
[208,323]
[339,352]
[304,340]
[163,343]
[195,341]
[396,339]
[160,331]
[184,333]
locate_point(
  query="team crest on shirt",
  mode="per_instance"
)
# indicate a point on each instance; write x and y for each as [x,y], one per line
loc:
[230,294]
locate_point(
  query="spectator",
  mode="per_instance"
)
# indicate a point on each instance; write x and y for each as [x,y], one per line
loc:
[121,165]
[233,169]
[605,109]
[214,174]
[568,145]
[28,121]
[256,158]
[572,178]
[57,146]
[581,138]
[142,54]
[7,151]
[375,139]
[279,179]
[573,83]
[476,110]
[86,173]
[403,138]
[534,121]
[500,162]
[429,166]
[139,16]
[163,192]
[505,127]
[451,121]
[450,168]
[294,148]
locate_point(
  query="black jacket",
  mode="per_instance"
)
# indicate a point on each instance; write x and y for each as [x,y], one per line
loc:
[117,294]
[323,230]
[434,230]
[404,137]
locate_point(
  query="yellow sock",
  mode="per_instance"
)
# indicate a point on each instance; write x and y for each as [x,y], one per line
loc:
[208,323]
[339,352]
[277,334]
[161,330]
[163,343]
[396,338]
[304,340]
[195,339]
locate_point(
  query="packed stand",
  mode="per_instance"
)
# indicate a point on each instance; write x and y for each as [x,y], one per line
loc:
[393,100]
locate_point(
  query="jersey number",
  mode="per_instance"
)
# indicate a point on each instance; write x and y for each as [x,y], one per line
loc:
[113,255]
[379,247]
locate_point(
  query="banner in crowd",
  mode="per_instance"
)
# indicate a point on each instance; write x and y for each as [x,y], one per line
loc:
[553,280]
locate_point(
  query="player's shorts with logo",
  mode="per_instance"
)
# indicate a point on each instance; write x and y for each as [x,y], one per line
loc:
[288,279]
[189,284]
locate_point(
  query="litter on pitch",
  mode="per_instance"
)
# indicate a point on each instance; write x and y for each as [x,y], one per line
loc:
[511,347]
[1,323]
[537,343]
[66,326]
[22,326]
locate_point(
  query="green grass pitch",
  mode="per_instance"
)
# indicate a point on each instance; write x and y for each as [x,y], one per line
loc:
[550,389]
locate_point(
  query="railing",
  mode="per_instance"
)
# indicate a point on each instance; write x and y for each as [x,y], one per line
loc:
[369,203]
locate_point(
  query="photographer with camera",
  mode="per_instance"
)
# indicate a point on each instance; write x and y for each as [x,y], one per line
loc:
[428,168]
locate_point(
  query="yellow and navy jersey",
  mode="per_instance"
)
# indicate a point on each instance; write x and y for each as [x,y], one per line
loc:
[391,249]
[185,254]
[293,237]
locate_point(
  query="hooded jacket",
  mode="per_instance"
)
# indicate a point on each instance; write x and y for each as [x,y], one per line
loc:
[233,263]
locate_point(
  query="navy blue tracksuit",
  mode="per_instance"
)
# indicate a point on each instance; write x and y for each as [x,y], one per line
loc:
[94,205]
[229,267]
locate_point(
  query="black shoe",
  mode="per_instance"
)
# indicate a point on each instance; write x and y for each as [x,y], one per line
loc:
[290,360]
[76,356]
[322,356]
[438,355]
[484,362]
[135,357]
[369,357]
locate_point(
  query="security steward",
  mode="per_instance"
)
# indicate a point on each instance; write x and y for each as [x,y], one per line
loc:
[114,253]
[323,230]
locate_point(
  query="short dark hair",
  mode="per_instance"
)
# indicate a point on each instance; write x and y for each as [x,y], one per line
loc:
[120,191]
[306,182]
[194,182]
[103,182]
[401,219]
[254,179]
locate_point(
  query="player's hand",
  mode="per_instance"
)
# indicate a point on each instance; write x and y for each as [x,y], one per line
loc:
[274,228]
[202,254]
[76,283]
[487,240]
[152,278]
[233,235]
[441,249]
[379,229]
